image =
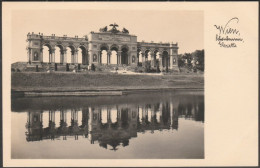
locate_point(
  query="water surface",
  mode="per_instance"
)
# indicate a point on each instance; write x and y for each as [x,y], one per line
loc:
[159,125]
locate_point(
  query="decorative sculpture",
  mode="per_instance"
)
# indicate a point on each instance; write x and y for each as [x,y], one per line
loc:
[125,31]
[114,29]
[104,29]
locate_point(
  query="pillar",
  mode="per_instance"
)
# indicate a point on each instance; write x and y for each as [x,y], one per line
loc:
[108,57]
[49,56]
[119,57]
[76,57]
[64,57]
[87,57]
[160,61]
[152,59]
[143,59]
[53,56]
[61,56]
[41,55]
[29,55]
[174,56]
[72,57]
[90,119]
[99,57]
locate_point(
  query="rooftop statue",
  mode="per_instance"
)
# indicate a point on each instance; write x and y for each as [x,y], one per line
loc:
[125,31]
[114,29]
[104,29]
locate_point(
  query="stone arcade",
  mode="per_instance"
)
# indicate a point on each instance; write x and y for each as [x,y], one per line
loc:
[128,51]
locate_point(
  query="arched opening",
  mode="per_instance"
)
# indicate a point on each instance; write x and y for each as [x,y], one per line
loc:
[146,57]
[104,116]
[113,56]
[82,56]
[58,54]
[70,54]
[46,53]
[104,57]
[103,54]
[165,61]
[113,115]
[146,53]
[124,55]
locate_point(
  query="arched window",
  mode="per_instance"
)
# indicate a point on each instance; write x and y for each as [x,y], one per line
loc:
[36,56]
[94,58]
[133,59]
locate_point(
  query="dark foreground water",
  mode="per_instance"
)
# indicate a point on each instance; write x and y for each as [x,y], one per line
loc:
[167,125]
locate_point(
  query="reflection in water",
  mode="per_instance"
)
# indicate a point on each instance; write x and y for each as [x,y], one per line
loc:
[112,125]
[150,125]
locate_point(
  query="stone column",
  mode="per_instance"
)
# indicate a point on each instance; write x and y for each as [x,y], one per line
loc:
[129,58]
[143,59]
[76,57]
[90,54]
[152,59]
[171,114]
[41,55]
[137,57]
[61,56]
[29,55]
[53,56]
[119,57]
[72,57]
[108,57]
[64,57]
[99,57]
[160,61]
[49,56]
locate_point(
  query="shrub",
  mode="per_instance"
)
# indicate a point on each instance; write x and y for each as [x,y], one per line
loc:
[93,68]
[139,69]
[158,69]
[147,67]
[37,68]
[56,67]
[12,70]
[67,67]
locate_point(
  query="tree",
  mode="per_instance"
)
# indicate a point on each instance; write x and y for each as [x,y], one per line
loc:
[180,61]
[198,55]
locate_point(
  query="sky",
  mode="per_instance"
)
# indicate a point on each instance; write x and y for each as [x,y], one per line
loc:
[184,27]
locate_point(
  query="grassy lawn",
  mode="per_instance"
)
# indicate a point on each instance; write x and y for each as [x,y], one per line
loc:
[58,81]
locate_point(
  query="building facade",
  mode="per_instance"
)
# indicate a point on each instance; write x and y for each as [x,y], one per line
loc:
[128,51]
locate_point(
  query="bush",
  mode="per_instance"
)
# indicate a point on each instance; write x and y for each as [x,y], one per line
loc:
[55,67]
[67,67]
[37,68]
[12,70]
[93,68]
[158,69]
[138,69]
[153,70]
[139,64]
[147,67]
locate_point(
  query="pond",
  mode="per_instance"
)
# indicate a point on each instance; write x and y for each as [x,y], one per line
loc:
[146,125]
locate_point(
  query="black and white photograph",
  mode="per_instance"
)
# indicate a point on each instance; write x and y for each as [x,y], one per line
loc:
[106,92]
[129,84]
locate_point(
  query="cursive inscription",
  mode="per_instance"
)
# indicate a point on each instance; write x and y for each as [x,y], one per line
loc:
[228,36]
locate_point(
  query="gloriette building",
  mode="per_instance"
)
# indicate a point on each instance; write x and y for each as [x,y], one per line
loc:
[128,51]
